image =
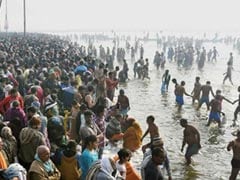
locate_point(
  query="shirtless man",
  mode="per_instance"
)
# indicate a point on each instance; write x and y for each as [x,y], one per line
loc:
[237,110]
[215,53]
[228,73]
[215,112]
[191,137]
[179,92]
[196,90]
[235,147]
[221,98]
[152,130]
[230,61]
[176,84]
[205,89]
[165,81]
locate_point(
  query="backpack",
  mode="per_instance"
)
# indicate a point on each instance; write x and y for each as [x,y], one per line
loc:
[92,172]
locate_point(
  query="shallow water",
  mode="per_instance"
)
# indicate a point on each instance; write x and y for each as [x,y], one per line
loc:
[213,161]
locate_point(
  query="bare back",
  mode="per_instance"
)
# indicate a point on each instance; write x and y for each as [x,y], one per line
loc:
[206,90]
[191,135]
[153,131]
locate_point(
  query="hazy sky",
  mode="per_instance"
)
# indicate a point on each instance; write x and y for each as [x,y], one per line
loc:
[184,15]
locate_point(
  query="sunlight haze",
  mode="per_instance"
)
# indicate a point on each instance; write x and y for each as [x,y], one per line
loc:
[73,15]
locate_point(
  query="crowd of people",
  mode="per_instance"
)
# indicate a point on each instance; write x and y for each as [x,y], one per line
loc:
[61,105]
[58,113]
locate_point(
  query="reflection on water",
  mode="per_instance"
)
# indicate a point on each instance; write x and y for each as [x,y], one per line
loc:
[145,97]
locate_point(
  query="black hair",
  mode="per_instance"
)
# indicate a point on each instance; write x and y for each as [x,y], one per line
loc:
[90,88]
[183,121]
[123,153]
[13,91]
[31,109]
[151,118]
[70,149]
[33,90]
[174,80]
[88,113]
[121,91]
[88,140]
[182,83]
[99,109]
[157,152]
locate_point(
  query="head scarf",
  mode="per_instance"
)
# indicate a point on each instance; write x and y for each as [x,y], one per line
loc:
[15,170]
[48,166]
[6,133]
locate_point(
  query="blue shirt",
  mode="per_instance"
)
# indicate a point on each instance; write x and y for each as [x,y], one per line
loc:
[87,159]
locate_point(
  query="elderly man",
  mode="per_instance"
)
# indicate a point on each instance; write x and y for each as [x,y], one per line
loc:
[42,168]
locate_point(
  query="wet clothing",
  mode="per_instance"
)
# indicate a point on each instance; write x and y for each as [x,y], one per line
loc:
[124,104]
[235,163]
[191,150]
[214,116]
[204,99]
[197,90]
[179,100]
[132,137]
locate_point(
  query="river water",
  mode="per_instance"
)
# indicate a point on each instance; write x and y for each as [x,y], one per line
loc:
[213,161]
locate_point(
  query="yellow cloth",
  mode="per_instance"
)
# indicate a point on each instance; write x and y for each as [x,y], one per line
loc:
[131,172]
[3,162]
[79,81]
[132,137]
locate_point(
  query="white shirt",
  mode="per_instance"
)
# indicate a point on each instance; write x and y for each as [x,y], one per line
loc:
[122,169]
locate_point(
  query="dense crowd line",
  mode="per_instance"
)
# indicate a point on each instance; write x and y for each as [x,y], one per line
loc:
[59,108]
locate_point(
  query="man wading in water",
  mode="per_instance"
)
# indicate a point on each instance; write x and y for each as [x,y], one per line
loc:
[179,92]
[191,137]
[235,147]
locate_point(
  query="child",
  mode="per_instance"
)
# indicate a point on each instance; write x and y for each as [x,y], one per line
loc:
[152,130]
[124,156]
